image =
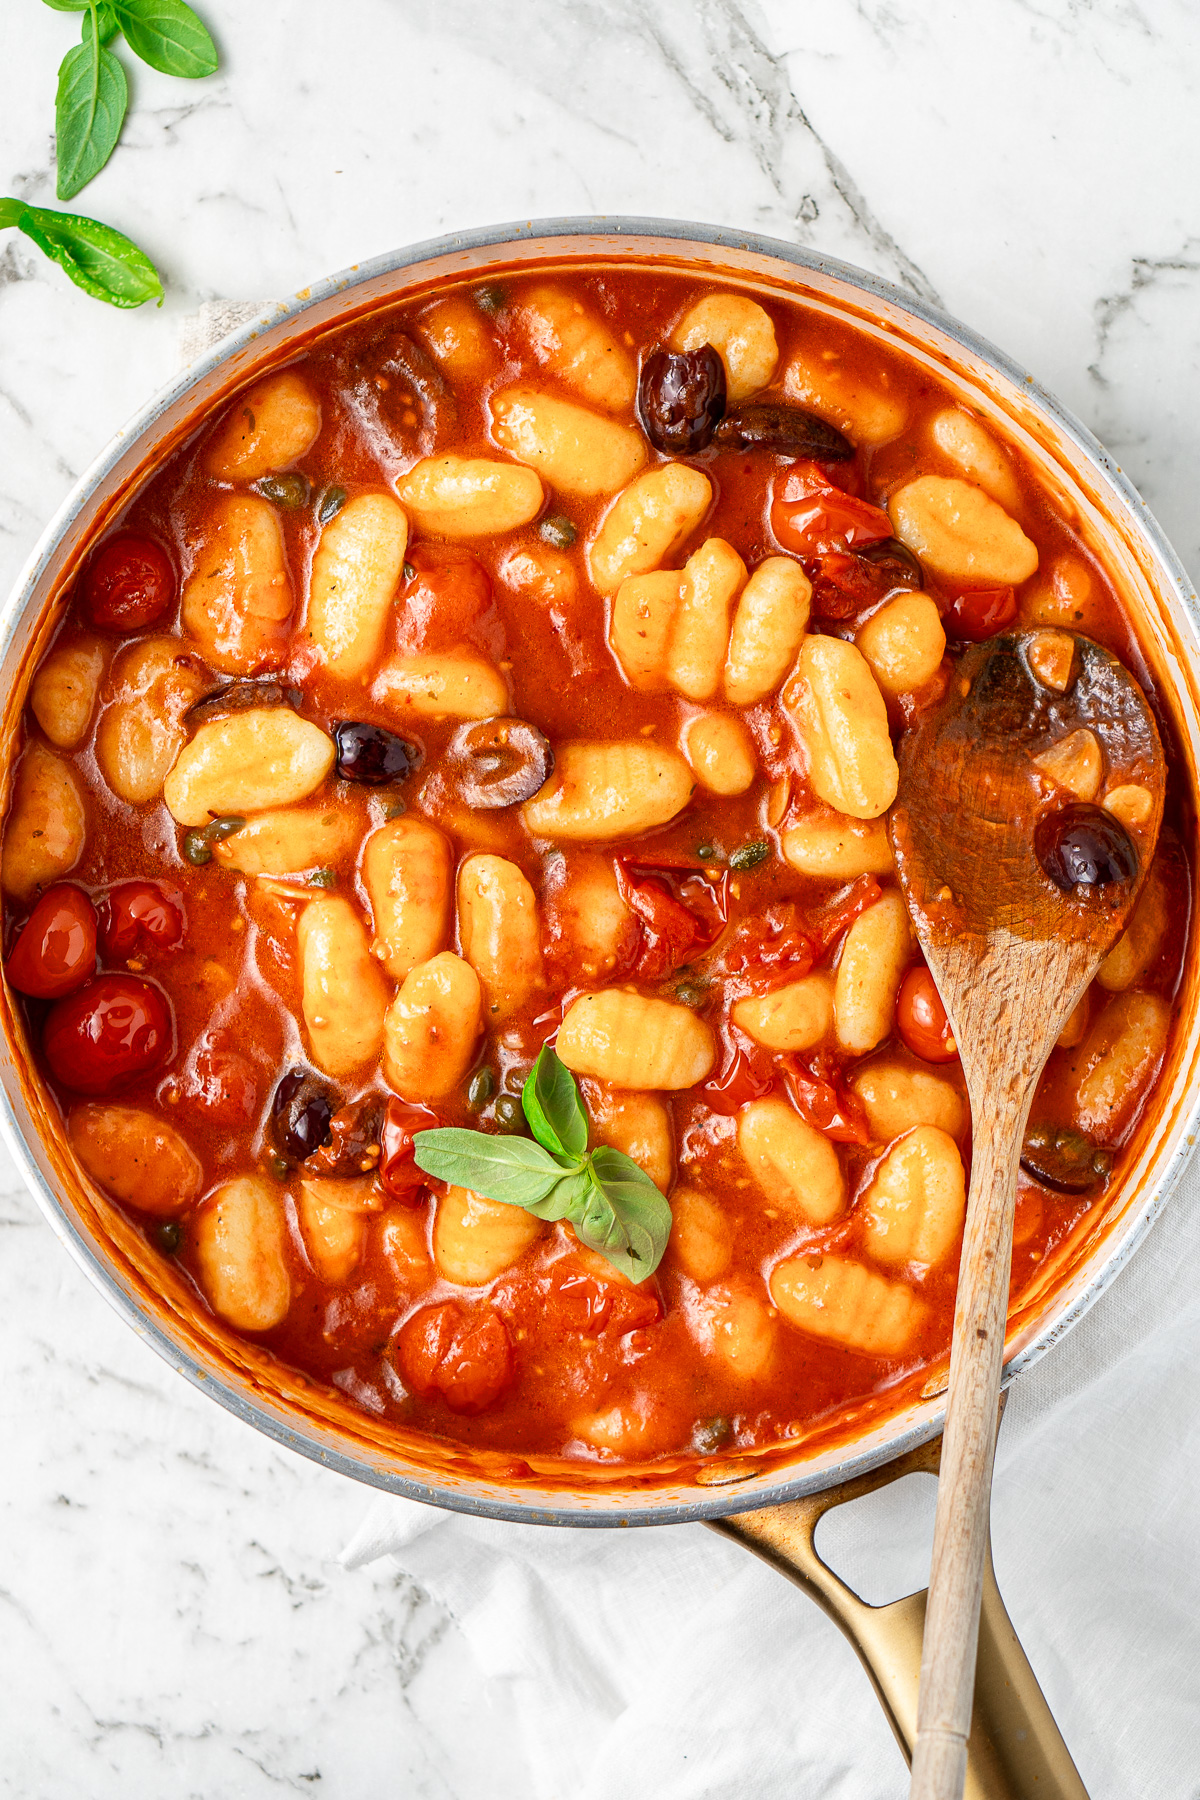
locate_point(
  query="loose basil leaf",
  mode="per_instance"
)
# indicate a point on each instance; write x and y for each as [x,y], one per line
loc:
[625,1216]
[168,35]
[89,110]
[98,259]
[512,1169]
[553,1107]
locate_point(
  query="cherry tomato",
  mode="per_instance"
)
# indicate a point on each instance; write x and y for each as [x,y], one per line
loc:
[745,1075]
[921,1018]
[108,1032]
[399,1175]
[464,1354]
[55,951]
[223,1084]
[822,1099]
[980,613]
[587,1304]
[450,600]
[827,923]
[138,916]
[130,583]
[812,517]
[777,943]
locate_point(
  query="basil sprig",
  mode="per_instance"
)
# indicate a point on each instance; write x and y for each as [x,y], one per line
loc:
[101,261]
[612,1204]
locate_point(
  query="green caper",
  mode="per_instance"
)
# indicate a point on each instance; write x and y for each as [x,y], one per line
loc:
[711,1434]
[691,993]
[490,298]
[392,809]
[292,491]
[223,828]
[510,1117]
[750,855]
[482,1087]
[196,850]
[277,1166]
[167,1236]
[323,878]
[557,531]
[707,852]
[409,572]
[331,502]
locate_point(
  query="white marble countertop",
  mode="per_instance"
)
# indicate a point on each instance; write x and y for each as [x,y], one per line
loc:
[174,1620]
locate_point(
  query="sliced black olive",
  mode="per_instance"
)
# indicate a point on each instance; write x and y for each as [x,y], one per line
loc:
[775,425]
[896,559]
[681,399]
[500,762]
[239,696]
[301,1114]
[1064,1159]
[1084,846]
[370,754]
[351,1144]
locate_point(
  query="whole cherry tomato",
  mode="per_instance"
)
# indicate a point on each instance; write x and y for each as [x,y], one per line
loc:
[222,1083]
[108,1032]
[921,1018]
[130,583]
[811,516]
[980,613]
[139,916]
[464,1354]
[55,950]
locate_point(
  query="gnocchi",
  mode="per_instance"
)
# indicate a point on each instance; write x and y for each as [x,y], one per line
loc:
[913,1210]
[602,791]
[961,533]
[270,427]
[740,331]
[454,685]
[875,954]
[647,523]
[344,993]
[431,1028]
[240,1240]
[470,496]
[500,934]
[47,823]
[136,1157]
[576,451]
[237,599]
[633,1041]
[720,752]
[768,628]
[142,729]
[842,721]
[474,1240]
[250,762]
[355,572]
[904,643]
[62,696]
[407,868]
[793,1163]
[568,339]
[836,1298]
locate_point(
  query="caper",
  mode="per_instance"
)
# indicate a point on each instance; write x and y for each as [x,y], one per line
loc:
[196,850]
[711,1434]
[223,828]
[292,491]
[409,572]
[558,531]
[332,502]
[690,993]
[707,852]
[277,1166]
[490,298]
[510,1116]
[750,855]
[323,878]
[167,1236]
[482,1087]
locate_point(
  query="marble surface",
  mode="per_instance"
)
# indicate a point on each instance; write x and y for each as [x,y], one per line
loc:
[174,1618]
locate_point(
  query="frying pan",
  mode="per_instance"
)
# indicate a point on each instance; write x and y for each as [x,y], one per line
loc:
[772,1507]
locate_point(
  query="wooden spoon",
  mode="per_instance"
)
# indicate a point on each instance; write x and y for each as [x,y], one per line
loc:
[1017,890]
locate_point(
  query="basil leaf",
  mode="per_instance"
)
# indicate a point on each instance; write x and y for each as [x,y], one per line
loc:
[566,1198]
[89,110]
[624,1217]
[167,35]
[106,19]
[553,1107]
[98,259]
[512,1169]
[69,5]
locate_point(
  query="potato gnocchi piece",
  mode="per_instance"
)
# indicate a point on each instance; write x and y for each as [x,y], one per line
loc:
[1130,803]
[431,1027]
[237,598]
[544,573]
[500,933]
[344,994]
[240,1239]
[844,1301]
[407,867]
[402,1239]
[333,1223]
[794,1164]
[1116,1063]
[135,1157]
[1075,763]
[643,617]
[713,576]
[1141,940]
[875,953]
[977,455]
[795,1017]
[960,533]
[731,1322]
[768,629]
[742,334]
[249,762]
[1064,594]
[720,752]
[356,569]
[576,451]
[292,839]
[638,1124]
[635,1042]
[46,826]
[457,338]
[575,345]
[269,427]
[470,496]
[869,412]
[627,1428]
[840,715]
[590,923]
[647,523]
[904,643]
[701,1235]
[604,791]
[1075,1029]
[913,1210]
[142,730]
[455,684]
[62,695]
[833,847]
[899,1096]
[474,1239]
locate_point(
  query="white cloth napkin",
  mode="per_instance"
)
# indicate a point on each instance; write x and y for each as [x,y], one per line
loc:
[668,1662]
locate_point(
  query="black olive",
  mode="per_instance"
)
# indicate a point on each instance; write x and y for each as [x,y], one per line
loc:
[369,753]
[500,762]
[1084,846]
[896,560]
[681,399]
[1064,1159]
[775,425]
[239,696]
[301,1114]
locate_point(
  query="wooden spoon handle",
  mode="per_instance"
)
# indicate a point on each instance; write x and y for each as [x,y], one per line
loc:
[960,1535]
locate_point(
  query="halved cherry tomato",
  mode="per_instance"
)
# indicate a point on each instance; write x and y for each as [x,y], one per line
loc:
[812,517]
[399,1175]
[921,1018]
[449,600]
[777,942]
[680,912]
[826,924]
[130,583]
[463,1354]
[822,1098]
[744,1075]
[223,1083]
[589,1305]
[108,1032]
[980,613]
[138,916]
[55,951]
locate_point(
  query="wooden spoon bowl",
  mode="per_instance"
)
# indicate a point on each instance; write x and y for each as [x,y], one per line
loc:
[1018,884]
